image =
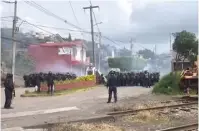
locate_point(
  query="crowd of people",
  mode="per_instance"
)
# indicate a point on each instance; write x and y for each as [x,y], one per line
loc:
[116,79]
[144,79]
[31,79]
[113,80]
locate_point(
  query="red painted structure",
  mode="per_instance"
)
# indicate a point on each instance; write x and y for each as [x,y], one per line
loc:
[46,57]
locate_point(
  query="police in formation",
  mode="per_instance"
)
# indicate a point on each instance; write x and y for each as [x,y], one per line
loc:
[9,91]
[144,79]
[34,79]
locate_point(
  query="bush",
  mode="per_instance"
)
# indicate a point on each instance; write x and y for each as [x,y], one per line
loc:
[82,78]
[169,84]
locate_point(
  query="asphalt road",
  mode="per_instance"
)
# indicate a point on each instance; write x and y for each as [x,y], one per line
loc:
[38,110]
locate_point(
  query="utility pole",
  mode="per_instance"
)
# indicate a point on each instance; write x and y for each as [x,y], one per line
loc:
[82,61]
[13,36]
[14,42]
[71,60]
[99,50]
[155,57]
[171,51]
[131,42]
[92,30]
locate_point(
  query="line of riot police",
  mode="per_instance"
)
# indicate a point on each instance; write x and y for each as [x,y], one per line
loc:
[32,79]
[144,79]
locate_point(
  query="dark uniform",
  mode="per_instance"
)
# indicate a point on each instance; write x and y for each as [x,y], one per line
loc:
[50,83]
[112,89]
[38,82]
[9,88]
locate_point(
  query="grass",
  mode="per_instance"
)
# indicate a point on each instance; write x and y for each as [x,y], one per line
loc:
[87,127]
[169,85]
[56,93]
[147,117]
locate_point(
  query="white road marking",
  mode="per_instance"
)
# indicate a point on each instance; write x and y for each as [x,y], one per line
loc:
[20,129]
[13,129]
[38,112]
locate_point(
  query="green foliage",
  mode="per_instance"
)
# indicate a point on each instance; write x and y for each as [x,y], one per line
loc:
[146,53]
[185,44]
[124,52]
[24,64]
[126,63]
[69,37]
[168,84]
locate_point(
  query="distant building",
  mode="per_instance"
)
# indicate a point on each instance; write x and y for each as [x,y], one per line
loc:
[179,65]
[59,57]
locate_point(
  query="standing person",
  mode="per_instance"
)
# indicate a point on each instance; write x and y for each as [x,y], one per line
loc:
[9,88]
[38,82]
[50,82]
[111,84]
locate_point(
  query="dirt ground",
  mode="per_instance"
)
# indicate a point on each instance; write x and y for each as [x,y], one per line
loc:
[142,121]
[93,103]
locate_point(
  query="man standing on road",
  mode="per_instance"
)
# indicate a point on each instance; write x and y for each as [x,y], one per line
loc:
[9,88]
[111,84]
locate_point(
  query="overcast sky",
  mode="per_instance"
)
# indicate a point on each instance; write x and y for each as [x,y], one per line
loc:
[147,22]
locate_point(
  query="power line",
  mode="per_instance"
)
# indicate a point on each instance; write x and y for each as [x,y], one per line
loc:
[58,28]
[11,39]
[73,12]
[38,27]
[56,17]
[75,17]
[7,17]
[42,9]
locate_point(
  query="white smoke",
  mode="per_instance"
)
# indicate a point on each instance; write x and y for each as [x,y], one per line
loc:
[62,67]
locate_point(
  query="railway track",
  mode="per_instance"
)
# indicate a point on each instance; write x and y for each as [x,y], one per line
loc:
[151,108]
[190,127]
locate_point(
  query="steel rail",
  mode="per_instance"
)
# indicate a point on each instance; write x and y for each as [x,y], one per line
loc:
[189,127]
[151,108]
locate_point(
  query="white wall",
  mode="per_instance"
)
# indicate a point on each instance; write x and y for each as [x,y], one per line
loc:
[79,55]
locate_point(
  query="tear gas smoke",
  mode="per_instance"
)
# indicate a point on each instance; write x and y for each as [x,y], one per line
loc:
[61,67]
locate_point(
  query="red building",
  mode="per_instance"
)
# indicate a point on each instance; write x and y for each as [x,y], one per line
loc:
[59,57]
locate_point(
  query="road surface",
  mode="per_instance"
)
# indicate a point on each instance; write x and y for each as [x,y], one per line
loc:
[38,110]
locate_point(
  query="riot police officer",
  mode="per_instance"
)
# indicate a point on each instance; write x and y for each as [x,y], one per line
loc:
[9,89]
[50,83]
[111,84]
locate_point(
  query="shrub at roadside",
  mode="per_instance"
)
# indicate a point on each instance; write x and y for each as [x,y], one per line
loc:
[82,78]
[168,84]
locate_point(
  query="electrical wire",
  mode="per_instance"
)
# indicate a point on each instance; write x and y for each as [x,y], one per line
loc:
[38,26]
[75,16]
[44,10]
[6,17]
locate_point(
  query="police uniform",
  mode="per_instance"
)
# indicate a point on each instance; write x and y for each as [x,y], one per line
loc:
[9,88]
[50,83]
[112,89]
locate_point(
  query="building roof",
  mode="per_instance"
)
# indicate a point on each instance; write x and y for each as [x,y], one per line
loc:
[72,43]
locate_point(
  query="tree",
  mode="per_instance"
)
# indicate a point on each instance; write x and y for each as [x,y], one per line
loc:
[69,37]
[185,45]
[124,52]
[146,53]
